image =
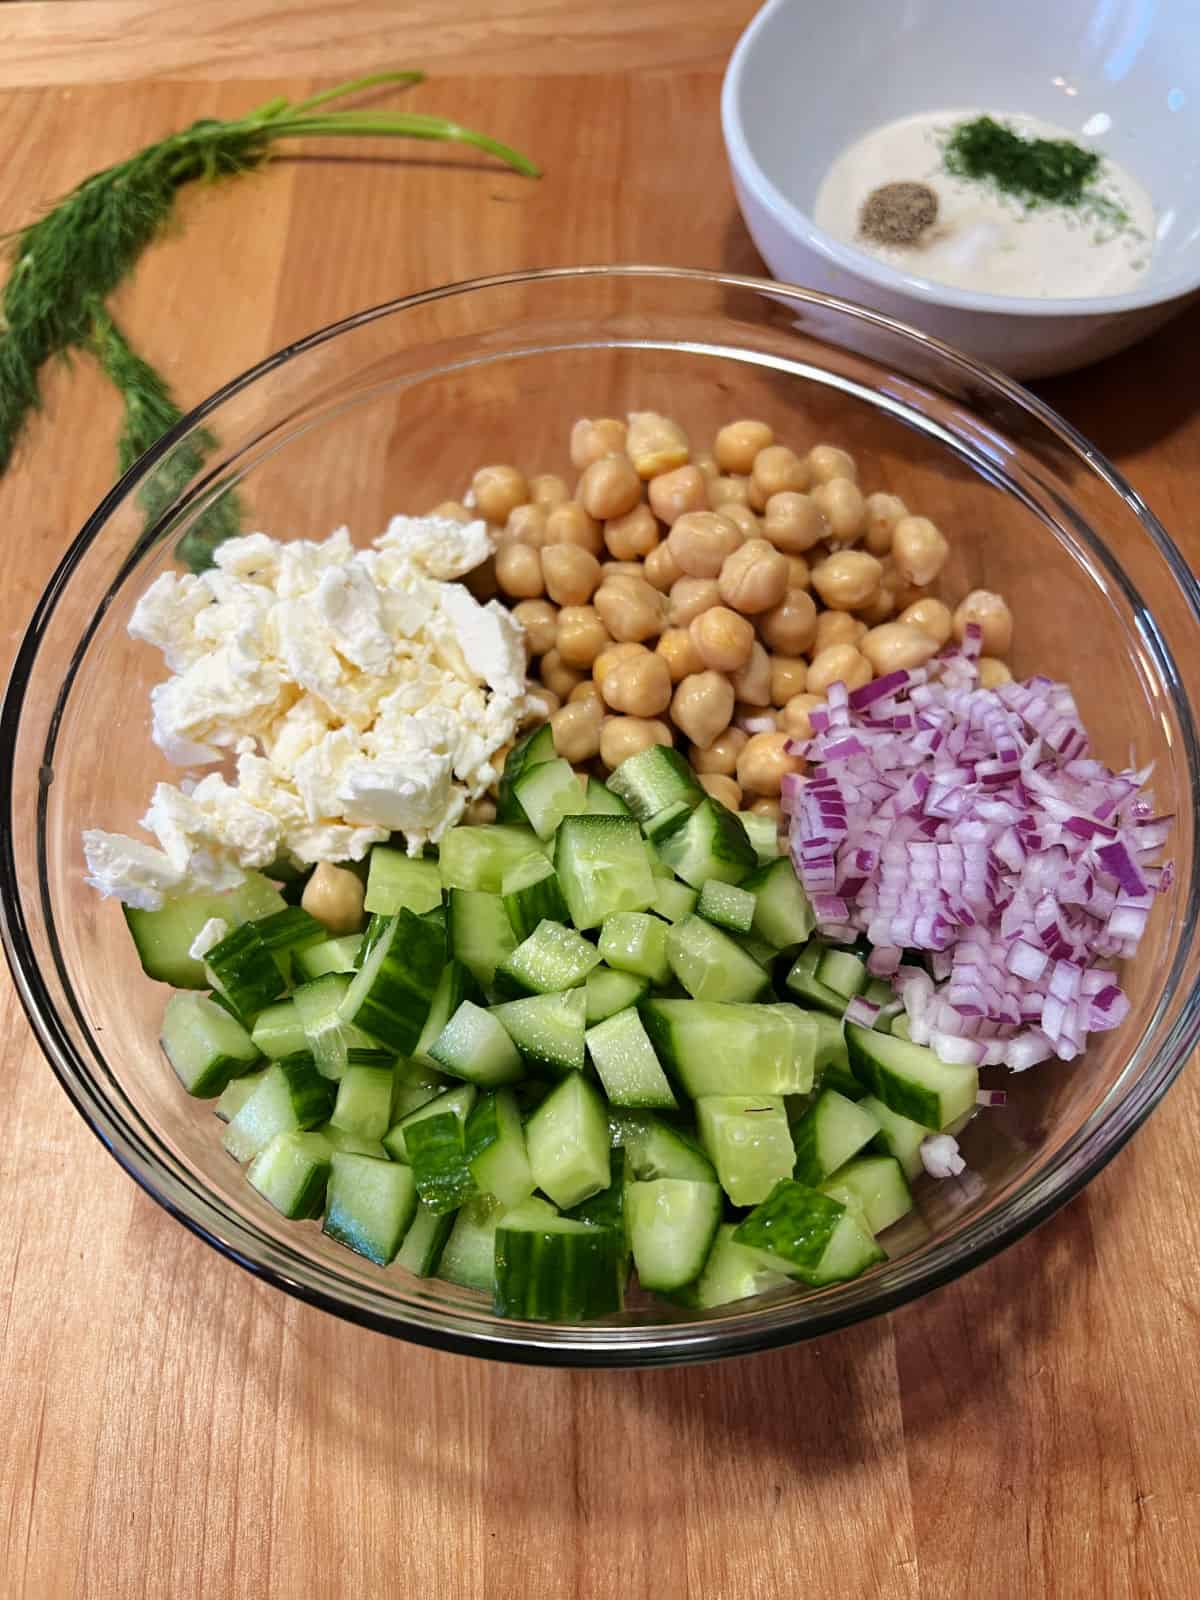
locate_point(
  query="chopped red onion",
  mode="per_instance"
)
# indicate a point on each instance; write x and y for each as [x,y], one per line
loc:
[991,1097]
[864,1012]
[940,1157]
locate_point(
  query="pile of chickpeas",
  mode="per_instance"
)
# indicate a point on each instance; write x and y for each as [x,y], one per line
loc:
[710,598]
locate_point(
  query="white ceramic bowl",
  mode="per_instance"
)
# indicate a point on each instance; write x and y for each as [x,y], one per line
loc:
[806,80]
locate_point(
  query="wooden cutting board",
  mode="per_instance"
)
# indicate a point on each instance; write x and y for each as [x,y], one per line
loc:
[172,1428]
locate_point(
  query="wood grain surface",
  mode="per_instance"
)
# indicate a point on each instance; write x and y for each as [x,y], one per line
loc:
[173,1429]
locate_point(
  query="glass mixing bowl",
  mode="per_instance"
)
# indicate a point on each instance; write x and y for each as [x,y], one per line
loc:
[391,411]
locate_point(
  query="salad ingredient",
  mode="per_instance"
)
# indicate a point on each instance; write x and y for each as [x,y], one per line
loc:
[898,212]
[1056,170]
[334,896]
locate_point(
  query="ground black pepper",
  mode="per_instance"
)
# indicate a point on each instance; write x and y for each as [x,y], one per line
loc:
[898,213]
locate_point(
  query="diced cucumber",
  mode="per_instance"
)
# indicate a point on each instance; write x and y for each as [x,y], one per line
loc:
[603,867]
[900,1028]
[832,1059]
[339,1139]
[748,1140]
[244,971]
[608,992]
[673,900]
[469,1254]
[478,857]
[809,1236]
[364,1102]
[437,1153]
[568,1142]
[909,1078]
[424,1241]
[602,802]
[480,933]
[370,1205]
[390,995]
[453,987]
[672,1224]
[329,1038]
[457,1101]
[624,1058]
[709,843]
[782,914]
[654,1149]
[898,1136]
[375,929]
[715,1047]
[291,1173]
[554,1269]
[634,941]
[763,834]
[732,1272]
[415,1084]
[330,955]
[802,981]
[553,957]
[607,1207]
[727,905]
[164,938]
[549,792]
[654,779]
[496,1152]
[288,932]
[877,1185]
[710,965]
[843,972]
[805,1039]
[531,895]
[397,881]
[548,1030]
[204,1044]
[475,1045]
[238,1090]
[831,1131]
[666,821]
[531,749]
[291,1096]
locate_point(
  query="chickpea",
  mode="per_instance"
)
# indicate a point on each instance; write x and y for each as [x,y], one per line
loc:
[883,512]
[797,715]
[789,677]
[764,807]
[993,673]
[689,597]
[847,579]
[593,440]
[587,693]
[557,675]
[764,762]
[581,635]
[836,627]
[729,492]
[754,577]
[708,467]
[481,580]
[841,504]
[752,683]
[991,612]
[677,650]
[499,491]
[793,522]
[919,549]
[630,608]
[839,663]
[526,525]
[721,788]
[572,575]
[609,488]
[897,646]
[723,640]
[576,729]
[546,701]
[702,707]
[721,755]
[540,621]
[883,607]
[453,511]
[661,568]
[480,811]
[620,569]
[569,523]
[700,541]
[633,535]
[655,444]
[799,573]
[622,737]
[548,490]
[334,895]
[673,493]
[791,626]
[742,517]
[519,571]
[739,443]
[776,470]
[610,658]
[640,686]
[932,617]
[826,462]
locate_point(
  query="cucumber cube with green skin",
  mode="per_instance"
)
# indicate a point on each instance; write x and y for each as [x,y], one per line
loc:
[672,1224]
[898,1136]
[364,1102]
[876,1185]
[554,1269]
[654,779]
[666,821]
[278,1030]
[603,867]
[673,900]
[424,1241]
[727,905]
[475,1045]
[568,1142]
[437,1153]
[548,1030]
[554,957]
[330,955]
[238,1090]
[478,857]
[763,834]
[806,1041]
[602,802]
[654,1149]
[291,1173]
[291,1096]
[397,881]
[390,995]
[496,1152]
[634,941]
[832,1060]
[606,1209]
[909,1078]
[354,1143]
[608,992]
[809,1236]
[748,1140]
[414,1084]
[549,792]
[480,932]
[709,843]
[244,971]
[721,1047]
[531,895]
[369,1205]
[831,1131]
[205,1045]
[469,1254]
[711,965]
[626,1064]
[843,972]
[782,913]
[529,751]
[165,937]
[802,981]
[458,1101]
[732,1272]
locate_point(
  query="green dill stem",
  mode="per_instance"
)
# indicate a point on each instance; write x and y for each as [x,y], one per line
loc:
[373,80]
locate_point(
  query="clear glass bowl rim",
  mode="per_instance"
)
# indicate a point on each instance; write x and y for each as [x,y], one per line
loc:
[452,1328]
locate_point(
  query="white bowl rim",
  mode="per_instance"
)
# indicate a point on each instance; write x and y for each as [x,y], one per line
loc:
[864,265]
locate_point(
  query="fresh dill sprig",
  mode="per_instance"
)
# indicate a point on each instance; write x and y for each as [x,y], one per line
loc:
[67,263]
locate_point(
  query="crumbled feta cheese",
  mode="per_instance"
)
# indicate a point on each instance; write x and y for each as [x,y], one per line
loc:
[438,546]
[940,1156]
[213,931]
[489,638]
[136,873]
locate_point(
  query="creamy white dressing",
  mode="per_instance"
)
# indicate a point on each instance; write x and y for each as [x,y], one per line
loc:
[982,239]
